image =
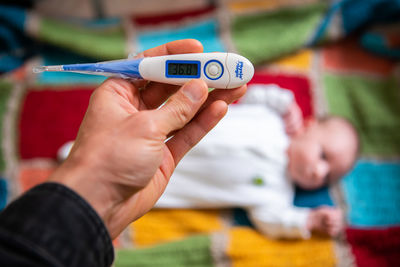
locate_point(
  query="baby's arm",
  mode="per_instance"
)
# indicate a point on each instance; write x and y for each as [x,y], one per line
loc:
[327,220]
[279,99]
[277,221]
[293,119]
[272,95]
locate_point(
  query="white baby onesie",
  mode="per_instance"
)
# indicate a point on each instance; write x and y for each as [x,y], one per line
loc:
[242,163]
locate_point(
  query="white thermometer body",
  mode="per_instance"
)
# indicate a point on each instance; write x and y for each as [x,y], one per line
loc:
[218,70]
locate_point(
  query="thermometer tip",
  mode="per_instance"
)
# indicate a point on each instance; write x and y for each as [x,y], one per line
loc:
[40,69]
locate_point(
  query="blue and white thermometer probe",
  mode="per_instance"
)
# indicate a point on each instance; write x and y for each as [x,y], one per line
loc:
[218,70]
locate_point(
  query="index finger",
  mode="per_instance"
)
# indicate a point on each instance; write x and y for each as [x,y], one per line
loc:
[176,47]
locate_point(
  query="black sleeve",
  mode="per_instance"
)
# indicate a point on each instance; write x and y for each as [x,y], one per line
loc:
[51,225]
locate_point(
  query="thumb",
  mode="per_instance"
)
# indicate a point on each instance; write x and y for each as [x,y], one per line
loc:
[182,106]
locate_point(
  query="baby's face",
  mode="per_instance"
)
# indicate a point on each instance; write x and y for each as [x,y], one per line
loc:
[323,153]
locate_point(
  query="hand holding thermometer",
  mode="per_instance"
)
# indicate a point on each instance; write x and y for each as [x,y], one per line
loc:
[218,70]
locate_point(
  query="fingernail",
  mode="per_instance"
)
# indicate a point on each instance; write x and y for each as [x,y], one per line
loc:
[193,90]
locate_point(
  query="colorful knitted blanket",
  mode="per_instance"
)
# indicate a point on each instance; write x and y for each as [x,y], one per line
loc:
[338,57]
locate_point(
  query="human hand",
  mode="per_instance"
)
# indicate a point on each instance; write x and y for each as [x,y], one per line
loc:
[293,119]
[326,220]
[121,162]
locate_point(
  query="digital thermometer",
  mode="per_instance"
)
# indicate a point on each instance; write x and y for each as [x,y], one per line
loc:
[218,70]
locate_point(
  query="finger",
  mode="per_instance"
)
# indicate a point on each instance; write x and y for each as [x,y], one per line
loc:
[226,95]
[157,93]
[334,231]
[175,47]
[119,87]
[290,126]
[181,107]
[192,133]
[293,127]
[115,98]
[331,224]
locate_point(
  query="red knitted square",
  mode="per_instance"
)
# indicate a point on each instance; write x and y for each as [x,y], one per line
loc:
[50,118]
[348,56]
[173,17]
[375,247]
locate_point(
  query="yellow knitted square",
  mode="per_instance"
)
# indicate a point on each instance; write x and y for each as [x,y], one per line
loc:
[240,6]
[248,247]
[161,225]
[300,60]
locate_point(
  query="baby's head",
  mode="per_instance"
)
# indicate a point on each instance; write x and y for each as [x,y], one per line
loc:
[323,152]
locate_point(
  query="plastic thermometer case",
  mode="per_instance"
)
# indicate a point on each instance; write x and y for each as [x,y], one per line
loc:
[218,70]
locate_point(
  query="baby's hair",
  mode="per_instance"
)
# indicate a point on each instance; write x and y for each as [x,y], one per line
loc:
[328,118]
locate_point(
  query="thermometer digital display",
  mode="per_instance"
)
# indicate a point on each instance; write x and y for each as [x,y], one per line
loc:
[218,70]
[183,69]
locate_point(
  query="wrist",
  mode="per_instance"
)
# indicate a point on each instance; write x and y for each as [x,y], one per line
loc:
[82,181]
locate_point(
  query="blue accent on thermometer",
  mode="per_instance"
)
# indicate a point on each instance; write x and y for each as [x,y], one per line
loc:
[125,68]
[217,66]
[218,70]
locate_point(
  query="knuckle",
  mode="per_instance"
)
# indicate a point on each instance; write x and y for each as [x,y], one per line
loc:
[189,140]
[149,124]
[181,113]
[116,85]
[110,83]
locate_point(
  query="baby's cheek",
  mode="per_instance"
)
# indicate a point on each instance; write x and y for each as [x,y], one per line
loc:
[301,158]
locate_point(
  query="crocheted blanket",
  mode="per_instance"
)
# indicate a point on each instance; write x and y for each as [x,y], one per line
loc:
[338,57]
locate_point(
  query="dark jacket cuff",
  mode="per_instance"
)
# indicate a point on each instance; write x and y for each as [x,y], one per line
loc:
[55,224]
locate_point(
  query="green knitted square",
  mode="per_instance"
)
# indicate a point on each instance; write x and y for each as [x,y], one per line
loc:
[271,34]
[372,104]
[193,251]
[102,44]
[5,91]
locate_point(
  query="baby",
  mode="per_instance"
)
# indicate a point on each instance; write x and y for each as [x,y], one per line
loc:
[256,154]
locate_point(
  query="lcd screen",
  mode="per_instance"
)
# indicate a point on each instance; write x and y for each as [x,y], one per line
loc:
[183,69]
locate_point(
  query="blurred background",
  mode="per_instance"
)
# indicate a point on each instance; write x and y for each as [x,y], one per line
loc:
[338,57]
